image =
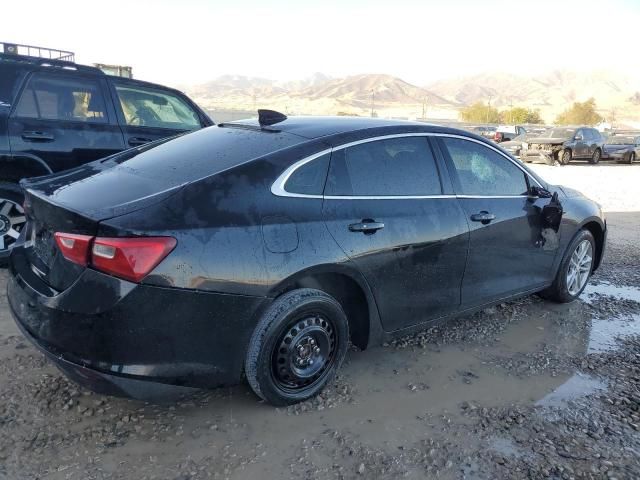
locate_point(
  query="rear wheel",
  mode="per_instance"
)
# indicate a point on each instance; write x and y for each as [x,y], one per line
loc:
[12,218]
[297,347]
[565,157]
[575,269]
[595,158]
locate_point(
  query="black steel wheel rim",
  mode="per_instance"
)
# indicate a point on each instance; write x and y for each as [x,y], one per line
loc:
[304,352]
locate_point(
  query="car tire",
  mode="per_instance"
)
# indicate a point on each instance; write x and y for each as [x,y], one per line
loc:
[595,158]
[11,200]
[631,158]
[297,347]
[563,290]
[565,157]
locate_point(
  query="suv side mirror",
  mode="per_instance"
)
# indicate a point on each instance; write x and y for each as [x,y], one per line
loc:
[578,137]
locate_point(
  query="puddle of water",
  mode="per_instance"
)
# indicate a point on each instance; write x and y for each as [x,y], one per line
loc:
[606,288]
[604,333]
[578,386]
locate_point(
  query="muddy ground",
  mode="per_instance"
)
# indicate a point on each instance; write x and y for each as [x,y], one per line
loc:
[527,389]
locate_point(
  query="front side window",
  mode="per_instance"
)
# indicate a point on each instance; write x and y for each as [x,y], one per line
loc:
[145,107]
[482,171]
[402,166]
[57,98]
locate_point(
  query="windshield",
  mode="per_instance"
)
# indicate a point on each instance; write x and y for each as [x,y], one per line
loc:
[560,133]
[620,141]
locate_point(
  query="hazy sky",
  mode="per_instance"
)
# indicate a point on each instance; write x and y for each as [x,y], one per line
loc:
[191,41]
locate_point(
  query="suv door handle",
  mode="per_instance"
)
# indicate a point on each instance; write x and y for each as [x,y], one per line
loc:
[484,217]
[37,136]
[137,141]
[366,227]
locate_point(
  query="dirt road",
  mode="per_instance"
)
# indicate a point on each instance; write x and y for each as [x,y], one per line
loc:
[527,389]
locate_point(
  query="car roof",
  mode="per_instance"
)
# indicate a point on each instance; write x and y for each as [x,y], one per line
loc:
[316,127]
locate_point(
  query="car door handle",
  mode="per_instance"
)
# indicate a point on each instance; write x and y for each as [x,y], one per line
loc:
[484,217]
[38,136]
[366,227]
[137,141]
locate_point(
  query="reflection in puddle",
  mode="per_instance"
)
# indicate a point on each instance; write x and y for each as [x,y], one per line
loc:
[605,288]
[577,386]
[604,333]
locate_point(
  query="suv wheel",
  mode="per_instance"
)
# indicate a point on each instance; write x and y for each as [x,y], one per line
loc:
[565,157]
[297,347]
[632,158]
[12,218]
[595,158]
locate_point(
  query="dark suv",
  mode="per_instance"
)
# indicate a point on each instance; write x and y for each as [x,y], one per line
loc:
[56,114]
[563,144]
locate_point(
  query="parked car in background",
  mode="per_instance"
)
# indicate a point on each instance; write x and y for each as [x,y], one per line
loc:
[564,144]
[56,114]
[485,131]
[260,249]
[623,148]
[515,146]
[505,133]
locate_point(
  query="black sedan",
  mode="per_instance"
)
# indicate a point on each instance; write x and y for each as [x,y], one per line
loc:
[623,148]
[260,249]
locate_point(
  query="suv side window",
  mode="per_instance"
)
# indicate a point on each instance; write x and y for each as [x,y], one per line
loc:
[595,135]
[147,107]
[482,171]
[402,166]
[51,97]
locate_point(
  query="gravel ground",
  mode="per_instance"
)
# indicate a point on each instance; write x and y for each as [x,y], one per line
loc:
[612,185]
[526,389]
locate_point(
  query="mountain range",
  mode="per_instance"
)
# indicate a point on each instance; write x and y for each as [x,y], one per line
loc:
[617,95]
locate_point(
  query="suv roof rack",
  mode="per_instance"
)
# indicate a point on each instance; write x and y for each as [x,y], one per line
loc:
[43,56]
[37,52]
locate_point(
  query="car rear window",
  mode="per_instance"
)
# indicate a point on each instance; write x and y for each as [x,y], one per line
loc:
[202,153]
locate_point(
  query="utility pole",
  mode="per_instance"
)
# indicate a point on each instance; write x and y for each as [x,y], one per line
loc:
[373,99]
[487,115]
[425,101]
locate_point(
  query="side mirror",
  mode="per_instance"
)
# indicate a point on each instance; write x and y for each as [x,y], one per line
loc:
[538,192]
[578,138]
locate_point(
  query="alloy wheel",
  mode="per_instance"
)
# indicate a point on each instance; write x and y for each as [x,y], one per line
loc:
[580,266]
[304,352]
[12,220]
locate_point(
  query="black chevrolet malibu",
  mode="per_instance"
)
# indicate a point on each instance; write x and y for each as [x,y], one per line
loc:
[260,249]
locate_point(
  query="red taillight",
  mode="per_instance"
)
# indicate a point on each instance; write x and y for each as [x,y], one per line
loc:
[75,248]
[128,258]
[498,137]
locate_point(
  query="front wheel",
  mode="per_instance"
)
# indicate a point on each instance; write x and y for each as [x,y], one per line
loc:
[565,157]
[12,218]
[595,158]
[632,158]
[575,269]
[297,347]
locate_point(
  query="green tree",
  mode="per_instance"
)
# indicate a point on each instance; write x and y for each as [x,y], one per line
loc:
[580,113]
[518,115]
[480,113]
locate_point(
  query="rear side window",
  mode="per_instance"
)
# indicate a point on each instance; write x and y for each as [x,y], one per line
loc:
[309,179]
[49,97]
[482,171]
[146,107]
[395,167]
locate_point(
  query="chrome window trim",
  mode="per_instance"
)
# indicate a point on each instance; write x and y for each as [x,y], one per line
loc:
[277,188]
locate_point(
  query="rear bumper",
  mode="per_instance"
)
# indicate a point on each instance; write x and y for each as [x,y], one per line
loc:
[114,337]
